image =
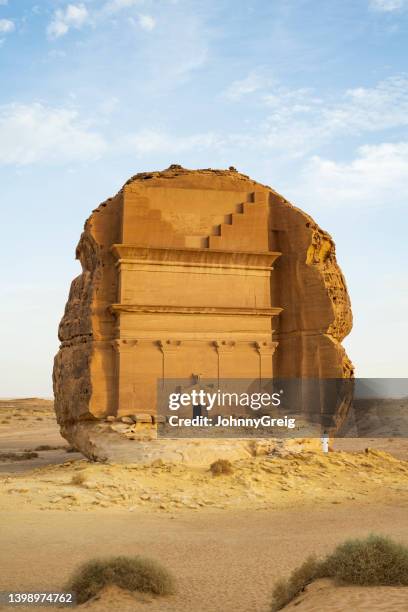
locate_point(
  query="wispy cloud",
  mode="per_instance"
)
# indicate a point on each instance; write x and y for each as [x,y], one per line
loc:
[36,133]
[248,85]
[113,6]
[147,22]
[73,16]
[155,141]
[377,176]
[6,26]
[387,6]
[303,121]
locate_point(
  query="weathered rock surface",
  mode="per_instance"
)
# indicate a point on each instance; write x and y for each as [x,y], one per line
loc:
[177,280]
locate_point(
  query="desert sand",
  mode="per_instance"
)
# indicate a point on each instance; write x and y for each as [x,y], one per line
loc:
[226,539]
[325,595]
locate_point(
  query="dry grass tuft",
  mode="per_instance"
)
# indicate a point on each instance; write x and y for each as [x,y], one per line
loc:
[287,589]
[18,456]
[221,466]
[79,479]
[376,560]
[130,573]
[47,447]
[372,561]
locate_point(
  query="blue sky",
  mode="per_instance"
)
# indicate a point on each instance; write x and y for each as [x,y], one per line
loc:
[308,96]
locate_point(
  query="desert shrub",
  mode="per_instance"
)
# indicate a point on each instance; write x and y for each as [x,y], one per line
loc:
[18,456]
[78,479]
[131,573]
[46,447]
[221,466]
[287,589]
[374,560]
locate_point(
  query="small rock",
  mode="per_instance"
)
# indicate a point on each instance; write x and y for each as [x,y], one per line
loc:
[120,427]
[142,418]
[145,496]
[70,496]
[127,419]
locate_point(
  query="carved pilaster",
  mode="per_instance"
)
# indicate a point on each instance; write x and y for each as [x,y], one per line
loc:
[222,347]
[125,370]
[265,350]
[168,349]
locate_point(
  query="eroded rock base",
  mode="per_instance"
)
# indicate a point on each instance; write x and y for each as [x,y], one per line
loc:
[108,442]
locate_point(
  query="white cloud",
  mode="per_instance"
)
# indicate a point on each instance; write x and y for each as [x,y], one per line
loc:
[73,16]
[253,82]
[34,133]
[387,6]
[377,176]
[3,2]
[152,141]
[113,6]
[6,26]
[303,121]
[147,22]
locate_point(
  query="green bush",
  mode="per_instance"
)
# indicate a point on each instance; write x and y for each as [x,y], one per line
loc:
[375,560]
[130,573]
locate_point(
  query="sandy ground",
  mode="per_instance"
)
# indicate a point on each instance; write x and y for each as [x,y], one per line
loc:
[226,539]
[325,595]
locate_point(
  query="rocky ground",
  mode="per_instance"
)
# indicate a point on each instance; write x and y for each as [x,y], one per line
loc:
[226,538]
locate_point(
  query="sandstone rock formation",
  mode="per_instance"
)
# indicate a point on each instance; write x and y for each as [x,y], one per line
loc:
[192,272]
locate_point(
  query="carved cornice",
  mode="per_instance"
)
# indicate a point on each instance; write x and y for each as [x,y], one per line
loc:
[253,260]
[195,310]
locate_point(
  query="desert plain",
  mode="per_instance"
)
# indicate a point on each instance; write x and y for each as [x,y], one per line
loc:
[227,539]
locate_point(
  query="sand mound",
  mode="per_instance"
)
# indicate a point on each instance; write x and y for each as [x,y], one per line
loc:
[325,596]
[114,598]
